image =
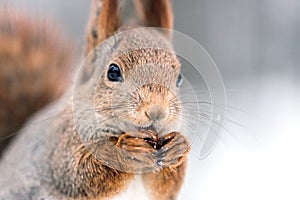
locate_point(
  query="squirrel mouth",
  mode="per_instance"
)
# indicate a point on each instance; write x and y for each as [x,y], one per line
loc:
[156,141]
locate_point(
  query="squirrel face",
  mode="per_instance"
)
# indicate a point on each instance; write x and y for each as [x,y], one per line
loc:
[140,85]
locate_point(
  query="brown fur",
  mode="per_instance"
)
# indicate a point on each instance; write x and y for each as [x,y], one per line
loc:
[166,183]
[32,56]
[84,173]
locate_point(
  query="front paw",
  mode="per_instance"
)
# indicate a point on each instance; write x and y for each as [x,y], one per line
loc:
[174,151]
[144,150]
[134,153]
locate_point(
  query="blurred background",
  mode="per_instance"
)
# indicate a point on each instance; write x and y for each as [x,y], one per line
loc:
[256,46]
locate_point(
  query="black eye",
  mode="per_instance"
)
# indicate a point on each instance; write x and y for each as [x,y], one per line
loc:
[114,73]
[179,80]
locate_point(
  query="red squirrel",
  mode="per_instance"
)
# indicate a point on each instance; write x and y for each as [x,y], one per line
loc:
[133,145]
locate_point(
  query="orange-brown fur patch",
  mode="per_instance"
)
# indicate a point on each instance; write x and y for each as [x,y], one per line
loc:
[166,183]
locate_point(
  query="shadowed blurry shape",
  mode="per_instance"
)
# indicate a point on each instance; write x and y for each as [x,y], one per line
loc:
[35,63]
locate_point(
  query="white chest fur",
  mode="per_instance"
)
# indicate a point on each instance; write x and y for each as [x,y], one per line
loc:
[135,191]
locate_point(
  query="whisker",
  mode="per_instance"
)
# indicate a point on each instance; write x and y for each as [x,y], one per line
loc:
[217,115]
[198,135]
[221,106]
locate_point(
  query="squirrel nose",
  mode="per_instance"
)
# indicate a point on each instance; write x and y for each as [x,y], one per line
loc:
[156,113]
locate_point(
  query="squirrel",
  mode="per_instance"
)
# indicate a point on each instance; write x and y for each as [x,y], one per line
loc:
[114,135]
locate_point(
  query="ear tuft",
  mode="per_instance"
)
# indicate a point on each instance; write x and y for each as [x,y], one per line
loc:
[104,22]
[155,13]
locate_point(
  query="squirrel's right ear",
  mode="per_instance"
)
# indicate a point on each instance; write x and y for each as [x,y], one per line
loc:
[104,22]
[155,13]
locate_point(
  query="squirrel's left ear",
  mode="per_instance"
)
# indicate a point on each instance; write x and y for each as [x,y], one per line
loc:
[104,22]
[155,13]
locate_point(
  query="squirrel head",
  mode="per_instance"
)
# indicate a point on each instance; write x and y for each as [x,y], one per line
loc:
[140,74]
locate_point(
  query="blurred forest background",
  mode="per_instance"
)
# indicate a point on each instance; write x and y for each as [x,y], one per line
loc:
[256,46]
